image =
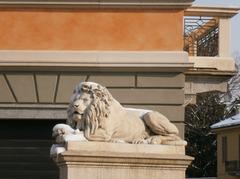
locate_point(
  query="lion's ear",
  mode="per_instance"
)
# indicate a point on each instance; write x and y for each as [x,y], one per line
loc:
[86,88]
[98,93]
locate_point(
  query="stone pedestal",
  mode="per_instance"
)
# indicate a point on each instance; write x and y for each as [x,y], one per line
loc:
[100,160]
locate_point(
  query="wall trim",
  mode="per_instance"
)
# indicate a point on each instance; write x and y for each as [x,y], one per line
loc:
[212,11]
[126,61]
[153,4]
[224,64]
[33,111]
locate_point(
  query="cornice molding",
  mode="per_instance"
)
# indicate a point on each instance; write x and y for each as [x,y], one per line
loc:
[211,11]
[97,4]
[11,60]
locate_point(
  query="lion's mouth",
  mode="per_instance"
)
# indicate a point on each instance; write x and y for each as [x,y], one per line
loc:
[78,113]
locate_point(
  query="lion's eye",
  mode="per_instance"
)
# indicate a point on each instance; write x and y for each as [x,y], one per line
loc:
[85,99]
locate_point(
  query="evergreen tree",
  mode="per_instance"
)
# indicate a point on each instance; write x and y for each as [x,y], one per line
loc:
[201,140]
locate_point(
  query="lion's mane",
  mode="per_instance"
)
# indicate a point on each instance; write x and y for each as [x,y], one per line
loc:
[96,111]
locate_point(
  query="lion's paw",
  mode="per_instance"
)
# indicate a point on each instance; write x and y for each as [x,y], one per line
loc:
[154,140]
[117,141]
[59,131]
[139,141]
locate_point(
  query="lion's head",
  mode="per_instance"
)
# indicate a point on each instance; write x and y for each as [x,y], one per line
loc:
[89,104]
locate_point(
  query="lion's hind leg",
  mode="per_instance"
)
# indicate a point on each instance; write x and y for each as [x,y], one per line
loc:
[173,139]
[159,124]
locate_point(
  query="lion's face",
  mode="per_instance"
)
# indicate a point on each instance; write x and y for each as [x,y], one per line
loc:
[90,103]
[79,104]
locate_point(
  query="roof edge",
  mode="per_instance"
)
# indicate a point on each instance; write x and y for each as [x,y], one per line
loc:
[97,4]
[212,11]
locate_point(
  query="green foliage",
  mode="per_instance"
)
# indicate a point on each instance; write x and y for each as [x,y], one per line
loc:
[201,141]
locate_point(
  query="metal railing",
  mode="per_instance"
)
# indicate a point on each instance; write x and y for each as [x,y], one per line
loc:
[233,167]
[201,36]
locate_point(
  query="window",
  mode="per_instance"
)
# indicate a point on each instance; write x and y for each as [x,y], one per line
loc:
[239,147]
[224,149]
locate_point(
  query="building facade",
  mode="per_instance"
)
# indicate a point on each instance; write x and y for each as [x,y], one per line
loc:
[228,147]
[133,48]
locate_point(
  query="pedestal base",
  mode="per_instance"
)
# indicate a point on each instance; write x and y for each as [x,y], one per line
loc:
[100,160]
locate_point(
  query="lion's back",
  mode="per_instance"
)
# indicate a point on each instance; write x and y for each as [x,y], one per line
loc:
[130,125]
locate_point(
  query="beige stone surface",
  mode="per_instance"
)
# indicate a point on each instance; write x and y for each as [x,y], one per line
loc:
[124,148]
[212,11]
[232,135]
[148,96]
[113,80]
[5,94]
[46,85]
[90,160]
[203,83]
[109,172]
[222,63]
[224,49]
[175,80]
[23,86]
[96,4]
[66,85]
[130,61]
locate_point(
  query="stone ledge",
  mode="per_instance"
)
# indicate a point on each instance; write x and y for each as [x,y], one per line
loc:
[217,64]
[124,148]
[104,159]
[212,11]
[98,4]
[127,61]
[121,153]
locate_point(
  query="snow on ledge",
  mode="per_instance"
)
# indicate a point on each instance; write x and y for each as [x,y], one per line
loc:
[232,121]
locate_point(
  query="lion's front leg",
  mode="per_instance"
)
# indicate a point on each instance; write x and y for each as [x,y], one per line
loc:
[61,130]
[99,135]
[63,133]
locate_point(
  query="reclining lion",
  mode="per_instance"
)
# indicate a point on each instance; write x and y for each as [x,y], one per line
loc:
[94,111]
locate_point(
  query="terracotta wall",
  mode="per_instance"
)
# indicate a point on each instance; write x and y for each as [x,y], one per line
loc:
[36,29]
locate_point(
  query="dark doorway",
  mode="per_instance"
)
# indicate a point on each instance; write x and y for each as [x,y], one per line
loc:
[24,149]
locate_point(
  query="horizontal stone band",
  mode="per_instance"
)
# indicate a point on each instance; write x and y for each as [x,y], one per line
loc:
[93,60]
[98,4]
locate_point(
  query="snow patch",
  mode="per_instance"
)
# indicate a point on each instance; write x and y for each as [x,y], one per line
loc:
[141,112]
[232,121]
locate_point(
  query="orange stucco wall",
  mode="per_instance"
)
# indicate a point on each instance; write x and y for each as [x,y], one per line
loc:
[91,30]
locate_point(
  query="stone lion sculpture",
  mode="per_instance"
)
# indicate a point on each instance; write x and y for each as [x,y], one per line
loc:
[94,113]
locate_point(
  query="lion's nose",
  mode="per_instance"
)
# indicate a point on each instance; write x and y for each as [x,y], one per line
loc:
[76,105]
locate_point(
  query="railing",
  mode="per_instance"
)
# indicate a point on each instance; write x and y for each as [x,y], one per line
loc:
[233,167]
[207,30]
[201,36]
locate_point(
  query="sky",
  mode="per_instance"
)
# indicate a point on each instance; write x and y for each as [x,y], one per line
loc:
[235,22]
